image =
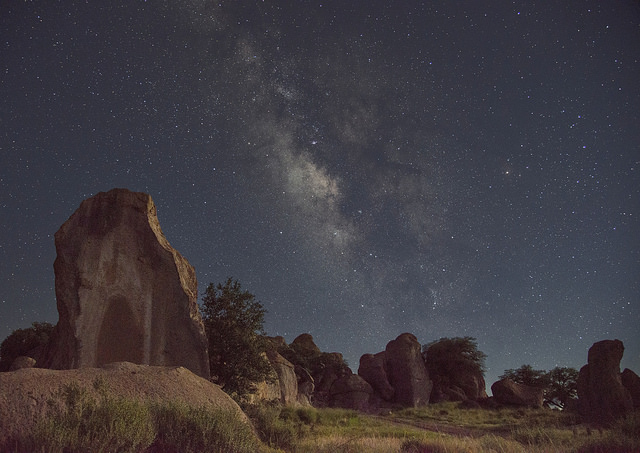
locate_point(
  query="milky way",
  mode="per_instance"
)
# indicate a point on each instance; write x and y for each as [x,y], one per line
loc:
[364,168]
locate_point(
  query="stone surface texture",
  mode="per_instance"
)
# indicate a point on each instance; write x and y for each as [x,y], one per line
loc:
[407,372]
[601,395]
[631,382]
[123,293]
[507,392]
[25,395]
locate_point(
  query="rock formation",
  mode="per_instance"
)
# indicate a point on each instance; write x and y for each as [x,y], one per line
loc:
[510,393]
[123,293]
[25,394]
[631,382]
[407,373]
[373,370]
[351,392]
[398,374]
[22,362]
[601,395]
[287,379]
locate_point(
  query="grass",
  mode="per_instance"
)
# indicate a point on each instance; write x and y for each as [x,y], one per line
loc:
[438,428]
[80,422]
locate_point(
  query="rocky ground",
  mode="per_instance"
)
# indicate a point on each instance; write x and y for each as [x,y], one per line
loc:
[25,394]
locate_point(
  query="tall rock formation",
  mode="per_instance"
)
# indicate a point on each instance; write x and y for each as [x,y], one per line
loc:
[398,374]
[407,371]
[601,395]
[123,293]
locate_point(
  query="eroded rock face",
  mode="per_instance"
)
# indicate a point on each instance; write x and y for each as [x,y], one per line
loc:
[373,370]
[601,395]
[351,392]
[631,382]
[123,293]
[407,372]
[287,379]
[505,391]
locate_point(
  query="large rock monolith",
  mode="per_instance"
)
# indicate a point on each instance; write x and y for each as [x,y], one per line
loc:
[601,395]
[407,372]
[123,293]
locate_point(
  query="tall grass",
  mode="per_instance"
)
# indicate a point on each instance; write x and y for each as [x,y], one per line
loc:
[79,422]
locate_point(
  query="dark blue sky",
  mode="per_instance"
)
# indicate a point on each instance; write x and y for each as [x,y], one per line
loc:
[364,168]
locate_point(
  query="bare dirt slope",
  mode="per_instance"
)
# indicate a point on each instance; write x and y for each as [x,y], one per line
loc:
[24,394]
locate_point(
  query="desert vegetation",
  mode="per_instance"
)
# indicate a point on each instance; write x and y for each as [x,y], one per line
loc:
[78,422]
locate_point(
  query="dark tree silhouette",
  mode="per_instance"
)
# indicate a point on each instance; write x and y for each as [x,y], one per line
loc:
[23,341]
[233,320]
[452,356]
[559,384]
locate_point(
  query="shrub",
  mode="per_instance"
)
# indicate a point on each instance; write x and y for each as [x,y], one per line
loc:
[182,428]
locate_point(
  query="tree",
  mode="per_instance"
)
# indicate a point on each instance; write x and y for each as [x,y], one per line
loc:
[562,386]
[526,375]
[559,385]
[454,356]
[233,321]
[22,342]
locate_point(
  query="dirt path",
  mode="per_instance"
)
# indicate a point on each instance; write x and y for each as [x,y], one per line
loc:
[443,428]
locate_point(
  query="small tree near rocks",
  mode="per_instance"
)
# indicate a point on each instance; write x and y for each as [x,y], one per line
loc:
[559,385]
[233,320]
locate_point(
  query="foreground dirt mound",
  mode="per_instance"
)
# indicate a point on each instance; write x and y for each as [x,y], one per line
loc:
[24,394]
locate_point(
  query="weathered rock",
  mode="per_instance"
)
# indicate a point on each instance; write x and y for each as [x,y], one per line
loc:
[305,346]
[123,293]
[372,369]
[505,391]
[287,379]
[601,395]
[406,371]
[22,362]
[306,385]
[25,394]
[631,382]
[351,392]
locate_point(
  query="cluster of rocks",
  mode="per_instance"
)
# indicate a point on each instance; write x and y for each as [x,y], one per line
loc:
[604,393]
[124,294]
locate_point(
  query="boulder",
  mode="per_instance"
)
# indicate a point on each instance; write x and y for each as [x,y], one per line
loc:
[507,392]
[123,293]
[631,382]
[601,396]
[351,392]
[27,395]
[305,346]
[407,372]
[372,369]
[22,362]
[287,379]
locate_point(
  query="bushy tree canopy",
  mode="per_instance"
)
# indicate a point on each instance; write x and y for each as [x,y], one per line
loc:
[233,320]
[526,375]
[559,385]
[452,356]
[22,341]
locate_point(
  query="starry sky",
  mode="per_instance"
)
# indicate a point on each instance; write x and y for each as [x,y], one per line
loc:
[365,168]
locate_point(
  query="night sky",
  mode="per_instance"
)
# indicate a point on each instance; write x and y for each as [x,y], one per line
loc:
[365,168]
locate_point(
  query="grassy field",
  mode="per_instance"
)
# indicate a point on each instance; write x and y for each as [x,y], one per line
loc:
[77,422]
[439,428]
